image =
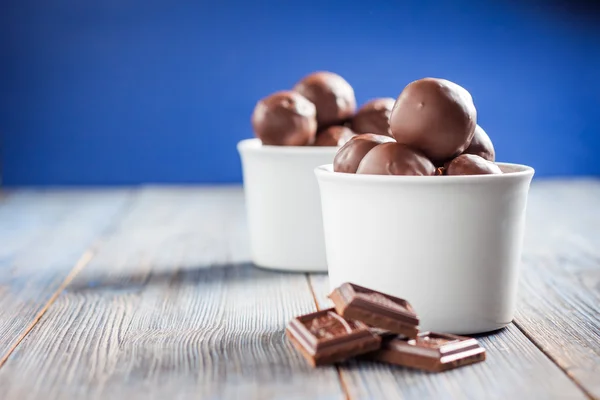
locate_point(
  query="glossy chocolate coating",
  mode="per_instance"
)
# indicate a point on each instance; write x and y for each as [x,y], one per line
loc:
[395,159]
[334,136]
[350,155]
[481,145]
[285,119]
[435,116]
[470,164]
[374,117]
[331,94]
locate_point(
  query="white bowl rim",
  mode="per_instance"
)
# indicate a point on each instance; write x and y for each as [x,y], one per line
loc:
[256,146]
[522,171]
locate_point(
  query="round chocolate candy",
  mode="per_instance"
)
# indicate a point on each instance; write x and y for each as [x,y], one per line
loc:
[435,116]
[285,118]
[331,94]
[481,145]
[334,136]
[374,117]
[350,155]
[470,164]
[395,159]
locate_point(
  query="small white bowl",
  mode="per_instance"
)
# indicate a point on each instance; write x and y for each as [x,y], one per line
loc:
[450,245]
[283,205]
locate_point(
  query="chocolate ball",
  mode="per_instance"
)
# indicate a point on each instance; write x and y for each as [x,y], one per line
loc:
[481,145]
[395,159]
[470,164]
[374,117]
[285,118]
[435,116]
[350,155]
[331,94]
[334,136]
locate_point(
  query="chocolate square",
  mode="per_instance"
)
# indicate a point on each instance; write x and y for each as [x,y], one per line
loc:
[434,352]
[324,337]
[375,309]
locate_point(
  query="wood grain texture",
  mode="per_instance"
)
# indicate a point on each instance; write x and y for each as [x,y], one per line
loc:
[165,311]
[514,368]
[559,298]
[42,236]
[169,309]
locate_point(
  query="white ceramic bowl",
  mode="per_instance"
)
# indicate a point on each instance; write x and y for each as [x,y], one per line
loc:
[283,205]
[450,245]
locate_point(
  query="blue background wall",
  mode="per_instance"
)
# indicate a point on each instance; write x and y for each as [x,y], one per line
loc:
[129,91]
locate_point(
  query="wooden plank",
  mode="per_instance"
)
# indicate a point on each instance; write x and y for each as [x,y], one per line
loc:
[552,268]
[563,220]
[43,234]
[165,311]
[25,215]
[515,368]
[560,286]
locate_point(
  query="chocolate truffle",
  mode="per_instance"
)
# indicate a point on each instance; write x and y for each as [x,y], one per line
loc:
[349,155]
[435,116]
[334,136]
[481,145]
[331,94]
[285,118]
[395,159]
[470,164]
[374,117]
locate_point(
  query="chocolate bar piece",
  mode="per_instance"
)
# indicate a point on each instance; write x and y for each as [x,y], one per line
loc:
[434,352]
[324,337]
[375,309]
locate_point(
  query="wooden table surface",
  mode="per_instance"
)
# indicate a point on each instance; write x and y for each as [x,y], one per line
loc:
[148,293]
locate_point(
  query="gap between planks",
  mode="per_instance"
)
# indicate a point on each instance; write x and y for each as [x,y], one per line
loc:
[553,359]
[79,265]
[337,368]
[82,262]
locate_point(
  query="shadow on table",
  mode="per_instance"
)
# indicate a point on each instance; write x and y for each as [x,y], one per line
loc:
[119,279]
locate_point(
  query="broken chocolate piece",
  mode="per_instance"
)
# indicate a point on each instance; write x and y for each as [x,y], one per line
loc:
[324,337]
[434,352]
[375,309]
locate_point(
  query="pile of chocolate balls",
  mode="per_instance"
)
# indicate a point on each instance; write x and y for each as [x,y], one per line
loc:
[431,129]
